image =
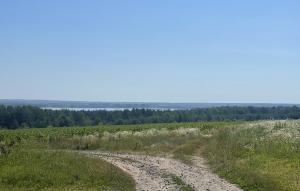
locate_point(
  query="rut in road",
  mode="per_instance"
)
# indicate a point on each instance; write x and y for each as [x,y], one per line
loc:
[155,173]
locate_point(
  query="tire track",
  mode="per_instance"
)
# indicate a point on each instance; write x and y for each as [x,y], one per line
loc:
[154,173]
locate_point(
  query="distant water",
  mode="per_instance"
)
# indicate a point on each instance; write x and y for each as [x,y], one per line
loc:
[97,109]
[85,108]
[120,106]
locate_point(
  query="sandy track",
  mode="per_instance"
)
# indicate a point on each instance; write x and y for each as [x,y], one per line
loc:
[154,173]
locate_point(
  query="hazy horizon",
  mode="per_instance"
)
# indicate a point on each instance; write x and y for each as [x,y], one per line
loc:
[184,102]
[151,51]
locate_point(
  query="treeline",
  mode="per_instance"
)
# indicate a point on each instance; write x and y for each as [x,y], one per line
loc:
[28,116]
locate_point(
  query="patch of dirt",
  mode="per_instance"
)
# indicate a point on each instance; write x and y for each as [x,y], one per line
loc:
[154,173]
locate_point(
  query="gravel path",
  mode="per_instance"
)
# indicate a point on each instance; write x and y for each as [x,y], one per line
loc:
[155,173]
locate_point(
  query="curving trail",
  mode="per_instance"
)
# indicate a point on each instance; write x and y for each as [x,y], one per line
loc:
[155,173]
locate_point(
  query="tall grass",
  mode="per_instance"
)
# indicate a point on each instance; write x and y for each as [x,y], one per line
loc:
[256,158]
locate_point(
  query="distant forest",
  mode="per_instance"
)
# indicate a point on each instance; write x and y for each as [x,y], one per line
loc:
[13,117]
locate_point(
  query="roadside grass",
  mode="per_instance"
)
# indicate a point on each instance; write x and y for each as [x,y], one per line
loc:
[147,143]
[81,138]
[23,170]
[150,138]
[190,148]
[57,132]
[257,156]
[182,186]
[30,160]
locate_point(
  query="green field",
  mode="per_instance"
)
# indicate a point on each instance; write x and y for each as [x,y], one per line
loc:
[42,170]
[262,155]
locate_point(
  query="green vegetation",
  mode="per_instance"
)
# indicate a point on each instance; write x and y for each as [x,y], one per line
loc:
[67,137]
[29,160]
[263,155]
[259,157]
[28,116]
[41,170]
[182,186]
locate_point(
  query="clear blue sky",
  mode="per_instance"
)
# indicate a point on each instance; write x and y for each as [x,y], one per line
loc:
[154,50]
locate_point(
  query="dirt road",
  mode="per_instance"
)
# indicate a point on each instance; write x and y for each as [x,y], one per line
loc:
[157,173]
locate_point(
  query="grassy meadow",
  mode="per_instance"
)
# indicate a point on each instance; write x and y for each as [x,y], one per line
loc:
[41,170]
[262,155]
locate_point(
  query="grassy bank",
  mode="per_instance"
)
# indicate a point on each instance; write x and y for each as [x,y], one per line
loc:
[23,170]
[265,156]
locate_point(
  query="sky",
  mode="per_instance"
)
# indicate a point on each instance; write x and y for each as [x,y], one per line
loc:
[151,50]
